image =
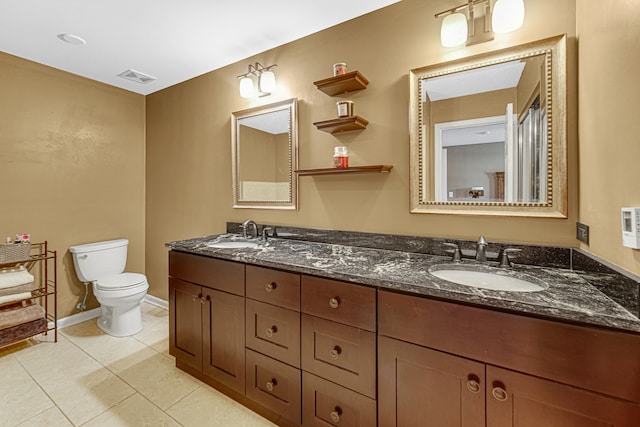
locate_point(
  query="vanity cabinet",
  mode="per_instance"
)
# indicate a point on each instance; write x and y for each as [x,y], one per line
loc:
[206,312]
[448,364]
[338,353]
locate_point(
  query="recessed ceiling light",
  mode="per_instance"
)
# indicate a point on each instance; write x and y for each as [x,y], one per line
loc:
[72,39]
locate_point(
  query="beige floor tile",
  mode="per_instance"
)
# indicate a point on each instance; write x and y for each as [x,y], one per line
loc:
[160,381]
[155,332]
[116,353]
[49,418]
[80,386]
[208,407]
[134,411]
[22,398]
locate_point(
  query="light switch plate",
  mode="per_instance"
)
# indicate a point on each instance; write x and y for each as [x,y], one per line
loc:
[582,232]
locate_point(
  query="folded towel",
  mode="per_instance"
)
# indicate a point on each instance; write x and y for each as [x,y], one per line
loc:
[27,287]
[18,314]
[9,299]
[10,277]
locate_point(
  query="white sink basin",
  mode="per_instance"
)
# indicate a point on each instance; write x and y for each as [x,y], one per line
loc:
[488,278]
[233,245]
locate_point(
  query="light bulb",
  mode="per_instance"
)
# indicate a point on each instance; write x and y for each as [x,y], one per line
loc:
[454,30]
[508,15]
[267,82]
[247,90]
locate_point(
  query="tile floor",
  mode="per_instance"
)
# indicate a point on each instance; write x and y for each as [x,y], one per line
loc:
[90,378]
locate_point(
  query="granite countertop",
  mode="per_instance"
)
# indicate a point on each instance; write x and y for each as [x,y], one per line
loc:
[569,296]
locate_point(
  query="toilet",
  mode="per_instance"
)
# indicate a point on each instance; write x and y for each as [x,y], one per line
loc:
[119,293]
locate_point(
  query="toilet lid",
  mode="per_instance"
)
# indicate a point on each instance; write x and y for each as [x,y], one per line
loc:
[121,281]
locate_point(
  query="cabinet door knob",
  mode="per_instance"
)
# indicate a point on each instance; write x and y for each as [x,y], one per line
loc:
[270,331]
[473,386]
[334,302]
[499,394]
[335,414]
[335,352]
[197,297]
[271,384]
[270,286]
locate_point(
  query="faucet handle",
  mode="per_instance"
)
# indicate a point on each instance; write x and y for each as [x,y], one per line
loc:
[482,240]
[457,254]
[265,232]
[505,261]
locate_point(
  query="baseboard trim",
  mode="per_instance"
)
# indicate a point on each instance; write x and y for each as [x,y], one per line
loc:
[159,302]
[83,316]
[78,318]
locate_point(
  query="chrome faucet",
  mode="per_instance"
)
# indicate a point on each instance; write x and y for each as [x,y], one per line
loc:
[481,250]
[245,225]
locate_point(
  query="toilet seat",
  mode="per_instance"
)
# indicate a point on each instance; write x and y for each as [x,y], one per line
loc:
[121,282]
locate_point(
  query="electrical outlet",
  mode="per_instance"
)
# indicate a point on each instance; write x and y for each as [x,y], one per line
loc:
[582,232]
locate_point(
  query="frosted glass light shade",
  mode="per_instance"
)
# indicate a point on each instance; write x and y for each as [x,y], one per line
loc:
[508,15]
[246,87]
[267,82]
[454,30]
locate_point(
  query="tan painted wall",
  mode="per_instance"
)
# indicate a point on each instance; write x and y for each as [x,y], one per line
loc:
[609,125]
[188,133]
[71,165]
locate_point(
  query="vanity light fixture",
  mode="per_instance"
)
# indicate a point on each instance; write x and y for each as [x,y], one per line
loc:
[458,29]
[508,15]
[266,81]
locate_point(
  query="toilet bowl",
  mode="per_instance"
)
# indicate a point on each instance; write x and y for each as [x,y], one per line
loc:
[119,293]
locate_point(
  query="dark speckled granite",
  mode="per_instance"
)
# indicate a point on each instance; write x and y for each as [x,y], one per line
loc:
[570,296]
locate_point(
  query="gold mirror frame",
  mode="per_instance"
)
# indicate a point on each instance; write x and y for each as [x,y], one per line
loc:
[422,149]
[291,201]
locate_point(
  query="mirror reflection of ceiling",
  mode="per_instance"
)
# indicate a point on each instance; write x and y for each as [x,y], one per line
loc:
[275,122]
[482,134]
[479,80]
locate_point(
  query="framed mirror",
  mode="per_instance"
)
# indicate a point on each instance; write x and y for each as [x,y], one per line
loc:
[488,133]
[264,151]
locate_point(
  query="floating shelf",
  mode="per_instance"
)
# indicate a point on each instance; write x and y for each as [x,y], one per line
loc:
[344,83]
[353,169]
[342,124]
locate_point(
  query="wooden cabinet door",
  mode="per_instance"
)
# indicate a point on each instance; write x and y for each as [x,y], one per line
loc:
[185,326]
[519,400]
[420,387]
[223,338]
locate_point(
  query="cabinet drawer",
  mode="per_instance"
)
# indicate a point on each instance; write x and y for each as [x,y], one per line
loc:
[274,331]
[592,358]
[342,354]
[274,287]
[325,403]
[340,302]
[274,385]
[213,273]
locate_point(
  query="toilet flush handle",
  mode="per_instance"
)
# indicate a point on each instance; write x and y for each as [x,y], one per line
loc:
[85,256]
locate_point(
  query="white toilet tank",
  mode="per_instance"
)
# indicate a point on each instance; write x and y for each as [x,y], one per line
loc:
[95,260]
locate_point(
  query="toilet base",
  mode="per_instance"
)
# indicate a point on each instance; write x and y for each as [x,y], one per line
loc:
[121,321]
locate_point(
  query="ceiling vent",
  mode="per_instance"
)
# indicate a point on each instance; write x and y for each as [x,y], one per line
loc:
[136,76]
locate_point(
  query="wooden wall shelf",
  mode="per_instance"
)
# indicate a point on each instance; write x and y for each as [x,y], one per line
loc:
[344,83]
[342,124]
[353,169]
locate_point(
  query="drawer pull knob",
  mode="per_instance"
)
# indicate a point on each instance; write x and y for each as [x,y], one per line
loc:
[335,352]
[335,414]
[334,302]
[270,331]
[499,394]
[271,384]
[270,286]
[473,386]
